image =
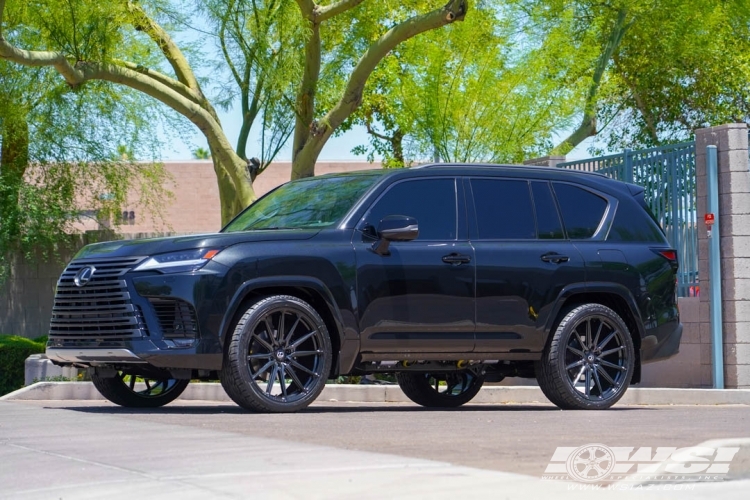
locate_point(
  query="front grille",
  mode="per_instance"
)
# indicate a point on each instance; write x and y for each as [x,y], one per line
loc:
[176,317]
[101,308]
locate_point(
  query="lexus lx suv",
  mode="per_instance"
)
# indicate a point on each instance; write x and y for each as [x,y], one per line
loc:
[448,276]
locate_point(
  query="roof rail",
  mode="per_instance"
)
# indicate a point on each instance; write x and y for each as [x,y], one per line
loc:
[494,165]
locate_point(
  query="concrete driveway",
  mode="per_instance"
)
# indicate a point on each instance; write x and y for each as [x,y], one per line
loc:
[92,449]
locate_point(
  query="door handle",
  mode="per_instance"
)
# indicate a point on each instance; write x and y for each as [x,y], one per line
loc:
[456,259]
[555,258]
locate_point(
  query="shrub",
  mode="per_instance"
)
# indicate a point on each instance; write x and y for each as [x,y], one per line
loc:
[13,352]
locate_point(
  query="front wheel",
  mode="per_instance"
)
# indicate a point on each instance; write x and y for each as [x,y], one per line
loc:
[279,356]
[589,361]
[134,391]
[440,390]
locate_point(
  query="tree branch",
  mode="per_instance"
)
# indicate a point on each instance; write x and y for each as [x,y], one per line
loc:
[587,128]
[329,11]
[307,7]
[184,73]
[306,149]
[161,78]
[454,10]
[305,105]
[36,58]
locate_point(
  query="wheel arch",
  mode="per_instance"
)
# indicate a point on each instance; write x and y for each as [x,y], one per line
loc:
[311,290]
[612,295]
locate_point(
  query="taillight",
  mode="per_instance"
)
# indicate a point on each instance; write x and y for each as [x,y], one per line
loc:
[668,254]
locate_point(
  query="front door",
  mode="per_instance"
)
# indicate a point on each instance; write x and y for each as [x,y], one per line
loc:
[420,297]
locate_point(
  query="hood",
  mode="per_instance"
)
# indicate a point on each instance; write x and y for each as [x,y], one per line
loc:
[153,246]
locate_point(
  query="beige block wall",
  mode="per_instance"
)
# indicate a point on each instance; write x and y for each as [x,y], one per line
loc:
[687,368]
[734,224]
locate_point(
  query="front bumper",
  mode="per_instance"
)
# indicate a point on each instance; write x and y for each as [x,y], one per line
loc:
[133,353]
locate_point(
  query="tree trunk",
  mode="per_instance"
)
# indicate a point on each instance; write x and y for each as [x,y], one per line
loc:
[233,198]
[14,156]
[14,159]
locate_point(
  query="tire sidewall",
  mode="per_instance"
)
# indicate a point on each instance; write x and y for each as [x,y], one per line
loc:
[568,325]
[237,355]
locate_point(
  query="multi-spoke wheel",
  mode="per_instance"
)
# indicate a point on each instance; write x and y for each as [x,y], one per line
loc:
[138,391]
[589,360]
[440,390]
[279,356]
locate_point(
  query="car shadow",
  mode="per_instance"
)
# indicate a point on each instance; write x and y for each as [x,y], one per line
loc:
[348,408]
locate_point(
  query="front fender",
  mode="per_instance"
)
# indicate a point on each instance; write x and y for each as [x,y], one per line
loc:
[275,282]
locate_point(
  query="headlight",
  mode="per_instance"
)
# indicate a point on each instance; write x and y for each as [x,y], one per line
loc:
[178,262]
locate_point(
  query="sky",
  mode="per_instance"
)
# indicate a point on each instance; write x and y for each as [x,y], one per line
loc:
[337,148]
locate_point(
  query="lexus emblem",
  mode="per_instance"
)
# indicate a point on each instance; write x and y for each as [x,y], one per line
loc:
[84,275]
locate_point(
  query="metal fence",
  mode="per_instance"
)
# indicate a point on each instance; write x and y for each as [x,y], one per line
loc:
[667,174]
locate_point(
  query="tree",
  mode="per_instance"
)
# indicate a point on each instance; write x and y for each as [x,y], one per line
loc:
[87,37]
[258,44]
[313,128]
[477,93]
[682,66]
[61,149]
[655,71]
[201,154]
[80,41]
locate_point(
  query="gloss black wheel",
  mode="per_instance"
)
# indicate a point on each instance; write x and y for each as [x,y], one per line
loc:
[589,360]
[279,356]
[135,391]
[443,390]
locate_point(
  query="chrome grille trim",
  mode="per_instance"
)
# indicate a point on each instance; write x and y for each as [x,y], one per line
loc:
[101,309]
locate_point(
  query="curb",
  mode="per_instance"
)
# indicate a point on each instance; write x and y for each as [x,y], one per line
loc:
[393,394]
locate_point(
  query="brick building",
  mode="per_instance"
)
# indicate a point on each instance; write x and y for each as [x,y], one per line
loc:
[195,207]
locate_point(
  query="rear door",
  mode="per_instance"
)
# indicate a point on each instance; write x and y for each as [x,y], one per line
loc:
[523,261]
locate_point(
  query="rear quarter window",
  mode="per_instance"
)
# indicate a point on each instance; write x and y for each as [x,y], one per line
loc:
[634,224]
[582,210]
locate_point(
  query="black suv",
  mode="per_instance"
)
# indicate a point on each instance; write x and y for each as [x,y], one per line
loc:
[446,275]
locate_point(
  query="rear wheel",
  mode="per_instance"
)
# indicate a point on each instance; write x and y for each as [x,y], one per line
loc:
[440,390]
[589,361]
[278,357]
[139,391]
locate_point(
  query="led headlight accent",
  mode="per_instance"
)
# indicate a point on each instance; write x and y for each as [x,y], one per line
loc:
[177,262]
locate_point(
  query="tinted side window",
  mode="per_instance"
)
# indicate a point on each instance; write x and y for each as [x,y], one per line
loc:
[548,222]
[582,210]
[431,201]
[633,223]
[503,209]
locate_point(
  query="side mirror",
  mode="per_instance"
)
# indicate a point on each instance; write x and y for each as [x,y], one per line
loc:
[395,228]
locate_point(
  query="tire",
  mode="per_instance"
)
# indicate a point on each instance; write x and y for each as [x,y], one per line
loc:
[588,361]
[125,390]
[460,388]
[271,373]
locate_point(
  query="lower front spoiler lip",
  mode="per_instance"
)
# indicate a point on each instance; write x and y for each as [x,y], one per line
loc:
[92,355]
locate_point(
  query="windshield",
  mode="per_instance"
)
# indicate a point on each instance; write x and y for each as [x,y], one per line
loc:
[309,203]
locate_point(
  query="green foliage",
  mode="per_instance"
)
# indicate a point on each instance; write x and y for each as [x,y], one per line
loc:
[681,66]
[13,353]
[201,154]
[480,90]
[65,150]
[258,43]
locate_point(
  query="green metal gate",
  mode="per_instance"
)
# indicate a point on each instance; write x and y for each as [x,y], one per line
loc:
[667,174]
